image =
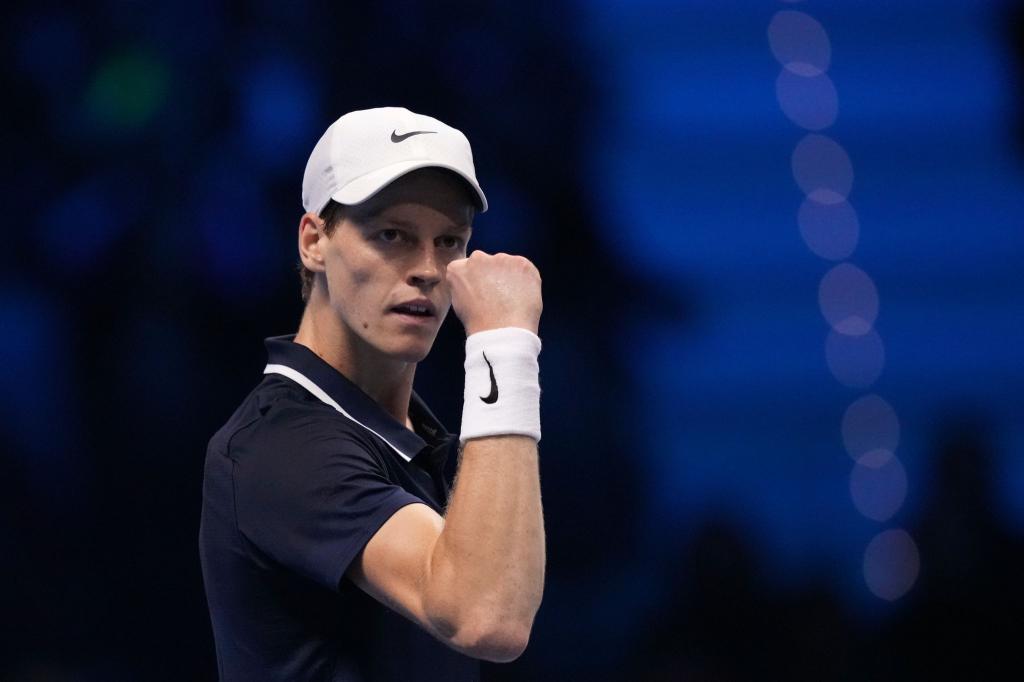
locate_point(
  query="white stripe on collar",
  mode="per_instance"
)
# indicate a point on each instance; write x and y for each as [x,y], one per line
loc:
[307,383]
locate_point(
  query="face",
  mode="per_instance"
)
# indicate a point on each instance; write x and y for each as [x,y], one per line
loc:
[385,263]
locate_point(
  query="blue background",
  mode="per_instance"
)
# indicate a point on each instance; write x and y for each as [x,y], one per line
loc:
[696,485]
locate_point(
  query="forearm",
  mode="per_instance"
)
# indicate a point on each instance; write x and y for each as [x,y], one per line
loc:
[486,570]
[487,567]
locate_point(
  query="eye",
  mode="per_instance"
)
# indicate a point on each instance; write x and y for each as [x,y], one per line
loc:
[449,242]
[390,235]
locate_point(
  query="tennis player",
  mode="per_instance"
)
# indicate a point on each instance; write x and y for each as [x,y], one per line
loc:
[333,546]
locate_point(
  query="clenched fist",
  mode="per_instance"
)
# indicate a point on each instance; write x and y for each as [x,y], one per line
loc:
[490,292]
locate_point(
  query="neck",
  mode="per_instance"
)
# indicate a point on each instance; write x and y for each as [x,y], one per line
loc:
[386,380]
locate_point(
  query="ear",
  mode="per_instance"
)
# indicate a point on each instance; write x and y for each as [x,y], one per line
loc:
[311,229]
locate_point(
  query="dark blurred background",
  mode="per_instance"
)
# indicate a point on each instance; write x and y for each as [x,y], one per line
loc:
[782,250]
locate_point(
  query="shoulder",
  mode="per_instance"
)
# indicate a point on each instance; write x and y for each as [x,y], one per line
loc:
[296,439]
[284,416]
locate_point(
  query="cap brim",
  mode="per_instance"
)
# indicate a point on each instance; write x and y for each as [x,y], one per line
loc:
[364,187]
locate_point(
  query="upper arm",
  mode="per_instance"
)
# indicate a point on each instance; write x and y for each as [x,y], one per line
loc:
[474,578]
[394,566]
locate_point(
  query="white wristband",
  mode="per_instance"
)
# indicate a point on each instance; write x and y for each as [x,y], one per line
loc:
[502,394]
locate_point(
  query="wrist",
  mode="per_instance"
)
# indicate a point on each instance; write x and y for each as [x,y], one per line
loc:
[477,328]
[502,391]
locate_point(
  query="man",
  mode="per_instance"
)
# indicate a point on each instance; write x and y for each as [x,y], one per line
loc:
[332,546]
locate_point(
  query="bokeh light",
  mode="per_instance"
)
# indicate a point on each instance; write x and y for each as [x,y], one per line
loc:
[84,223]
[878,491]
[800,43]
[42,418]
[891,564]
[830,229]
[810,102]
[848,300]
[855,361]
[871,430]
[278,101]
[820,163]
[241,246]
[126,92]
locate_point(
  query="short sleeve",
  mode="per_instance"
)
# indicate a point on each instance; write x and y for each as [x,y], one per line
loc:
[310,494]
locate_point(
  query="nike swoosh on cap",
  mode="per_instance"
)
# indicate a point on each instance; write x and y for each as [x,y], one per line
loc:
[395,137]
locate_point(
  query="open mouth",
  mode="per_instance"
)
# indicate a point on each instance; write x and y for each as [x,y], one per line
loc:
[414,309]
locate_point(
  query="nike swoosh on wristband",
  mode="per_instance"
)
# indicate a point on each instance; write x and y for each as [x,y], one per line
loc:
[395,137]
[491,397]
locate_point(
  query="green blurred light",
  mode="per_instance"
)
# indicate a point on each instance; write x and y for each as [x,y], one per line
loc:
[127,91]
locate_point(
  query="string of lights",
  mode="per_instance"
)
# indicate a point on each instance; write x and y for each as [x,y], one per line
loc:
[847,297]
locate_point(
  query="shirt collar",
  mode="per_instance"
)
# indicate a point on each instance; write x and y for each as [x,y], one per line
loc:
[306,368]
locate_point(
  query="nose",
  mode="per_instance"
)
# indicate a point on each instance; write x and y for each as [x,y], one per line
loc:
[427,271]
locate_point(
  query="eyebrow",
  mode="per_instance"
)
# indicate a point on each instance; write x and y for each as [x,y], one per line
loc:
[411,226]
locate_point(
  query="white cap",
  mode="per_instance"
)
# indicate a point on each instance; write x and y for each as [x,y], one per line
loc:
[363,151]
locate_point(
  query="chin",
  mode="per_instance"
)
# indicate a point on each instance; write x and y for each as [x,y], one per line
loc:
[411,351]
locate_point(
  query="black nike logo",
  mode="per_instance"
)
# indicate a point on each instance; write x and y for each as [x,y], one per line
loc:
[395,137]
[491,397]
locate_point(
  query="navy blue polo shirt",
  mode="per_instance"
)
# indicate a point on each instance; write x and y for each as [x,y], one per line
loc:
[303,474]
